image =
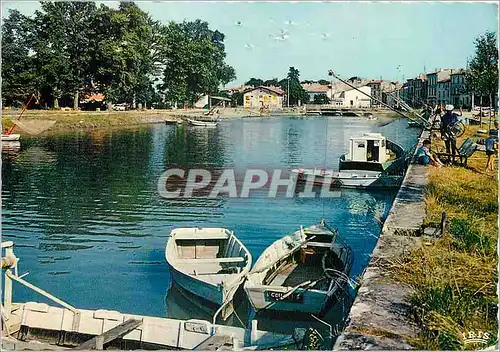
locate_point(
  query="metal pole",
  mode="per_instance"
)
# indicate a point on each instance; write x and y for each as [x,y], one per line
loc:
[288,93]
[368,95]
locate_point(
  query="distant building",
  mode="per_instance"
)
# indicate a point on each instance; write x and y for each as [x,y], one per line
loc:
[352,98]
[459,96]
[314,89]
[376,91]
[270,97]
[432,86]
[443,91]
[419,90]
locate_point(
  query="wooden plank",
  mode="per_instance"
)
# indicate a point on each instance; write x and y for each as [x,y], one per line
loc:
[319,244]
[213,343]
[110,335]
[210,260]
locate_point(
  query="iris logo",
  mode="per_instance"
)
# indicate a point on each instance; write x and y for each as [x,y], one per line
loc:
[476,337]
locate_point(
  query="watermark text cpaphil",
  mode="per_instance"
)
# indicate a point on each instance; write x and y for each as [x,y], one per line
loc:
[237,183]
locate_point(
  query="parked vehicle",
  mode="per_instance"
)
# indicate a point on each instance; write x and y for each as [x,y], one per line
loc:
[120,107]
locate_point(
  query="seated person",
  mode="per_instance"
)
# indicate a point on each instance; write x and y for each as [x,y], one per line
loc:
[491,146]
[425,157]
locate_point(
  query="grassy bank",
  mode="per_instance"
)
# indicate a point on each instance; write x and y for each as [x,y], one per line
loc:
[69,120]
[454,277]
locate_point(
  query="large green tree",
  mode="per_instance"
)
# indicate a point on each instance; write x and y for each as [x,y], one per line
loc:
[65,46]
[70,48]
[124,58]
[19,74]
[482,73]
[194,63]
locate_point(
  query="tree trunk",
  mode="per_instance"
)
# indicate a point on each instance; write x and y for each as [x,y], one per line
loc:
[75,101]
[56,103]
[133,102]
[109,106]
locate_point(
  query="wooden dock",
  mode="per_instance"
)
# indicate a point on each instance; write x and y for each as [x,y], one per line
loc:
[41,326]
[38,326]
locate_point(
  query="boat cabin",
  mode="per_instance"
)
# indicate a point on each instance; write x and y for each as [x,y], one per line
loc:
[371,147]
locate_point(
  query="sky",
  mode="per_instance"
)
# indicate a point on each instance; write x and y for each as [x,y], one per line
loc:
[385,40]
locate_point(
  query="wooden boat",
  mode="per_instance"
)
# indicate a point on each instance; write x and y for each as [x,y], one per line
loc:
[200,123]
[301,272]
[33,326]
[10,137]
[372,162]
[209,262]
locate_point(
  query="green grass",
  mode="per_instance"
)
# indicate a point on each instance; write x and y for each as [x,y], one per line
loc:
[454,277]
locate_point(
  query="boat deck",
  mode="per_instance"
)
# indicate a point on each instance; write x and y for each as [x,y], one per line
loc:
[295,274]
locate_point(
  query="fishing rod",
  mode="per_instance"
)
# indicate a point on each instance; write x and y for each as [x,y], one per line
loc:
[333,74]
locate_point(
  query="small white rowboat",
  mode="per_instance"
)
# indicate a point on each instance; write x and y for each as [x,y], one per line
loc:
[10,137]
[208,262]
[202,123]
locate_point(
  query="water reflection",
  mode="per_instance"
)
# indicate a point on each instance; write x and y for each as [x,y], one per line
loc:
[90,227]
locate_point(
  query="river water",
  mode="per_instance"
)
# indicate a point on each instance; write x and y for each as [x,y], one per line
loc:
[90,227]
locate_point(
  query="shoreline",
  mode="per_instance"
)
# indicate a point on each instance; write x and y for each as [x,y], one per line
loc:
[67,121]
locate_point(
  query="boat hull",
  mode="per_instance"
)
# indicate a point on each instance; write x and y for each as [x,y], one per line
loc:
[198,288]
[267,297]
[10,137]
[354,179]
[201,123]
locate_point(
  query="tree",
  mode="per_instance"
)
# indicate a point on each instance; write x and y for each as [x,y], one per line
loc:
[482,74]
[64,46]
[292,82]
[255,82]
[321,99]
[194,63]
[271,82]
[237,99]
[126,53]
[19,74]
[324,82]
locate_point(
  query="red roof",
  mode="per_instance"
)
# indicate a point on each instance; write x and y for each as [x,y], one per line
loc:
[95,97]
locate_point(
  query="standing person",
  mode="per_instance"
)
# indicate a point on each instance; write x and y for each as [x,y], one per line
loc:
[450,140]
[425,157]
[491,144]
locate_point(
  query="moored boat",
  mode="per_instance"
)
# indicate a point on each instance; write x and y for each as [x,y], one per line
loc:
[372,161]
[300,272]
[210,263]
[200,123]
[11,137]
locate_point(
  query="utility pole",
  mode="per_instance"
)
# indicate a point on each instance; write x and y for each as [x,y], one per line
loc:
[288,92]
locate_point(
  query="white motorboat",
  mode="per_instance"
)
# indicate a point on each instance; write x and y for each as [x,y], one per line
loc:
[300,272]
[211,263]
[372,161]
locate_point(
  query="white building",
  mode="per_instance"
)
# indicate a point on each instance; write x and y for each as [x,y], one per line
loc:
[353,98]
